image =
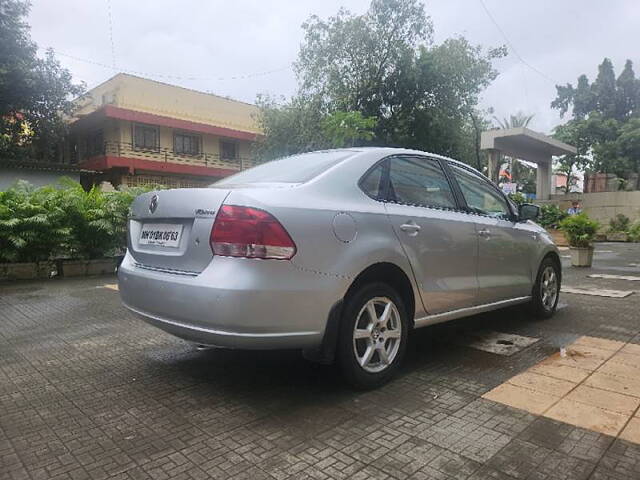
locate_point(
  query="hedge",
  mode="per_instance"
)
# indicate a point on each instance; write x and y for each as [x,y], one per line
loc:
[62,221]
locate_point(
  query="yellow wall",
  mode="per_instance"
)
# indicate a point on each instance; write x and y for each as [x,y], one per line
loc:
[135,93]
[120,132]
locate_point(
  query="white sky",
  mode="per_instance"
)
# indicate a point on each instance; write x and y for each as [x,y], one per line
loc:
[195,43]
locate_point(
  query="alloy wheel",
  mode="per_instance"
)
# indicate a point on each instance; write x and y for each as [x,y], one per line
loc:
[549,287]
[377,334]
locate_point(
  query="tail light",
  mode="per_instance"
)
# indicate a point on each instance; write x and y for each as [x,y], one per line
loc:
[251,233]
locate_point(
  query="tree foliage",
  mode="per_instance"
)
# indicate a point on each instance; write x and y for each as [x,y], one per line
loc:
[605,123]
[35,93]
[383,65]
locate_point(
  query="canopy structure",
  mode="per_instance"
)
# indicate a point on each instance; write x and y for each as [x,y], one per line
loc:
[525,144]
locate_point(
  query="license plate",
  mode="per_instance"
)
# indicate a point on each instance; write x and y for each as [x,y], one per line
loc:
[163,234]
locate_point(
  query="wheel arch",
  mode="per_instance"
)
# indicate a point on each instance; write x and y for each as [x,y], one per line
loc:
[383,272]
[553,255]
[392,275]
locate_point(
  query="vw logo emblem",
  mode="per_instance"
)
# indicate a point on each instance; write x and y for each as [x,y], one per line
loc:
[153,204]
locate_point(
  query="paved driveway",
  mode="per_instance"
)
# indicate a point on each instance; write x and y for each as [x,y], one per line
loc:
[88,391]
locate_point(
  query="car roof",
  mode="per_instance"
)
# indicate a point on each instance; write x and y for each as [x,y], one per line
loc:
[397,151]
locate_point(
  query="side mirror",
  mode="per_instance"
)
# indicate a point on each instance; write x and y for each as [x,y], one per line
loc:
[528,211]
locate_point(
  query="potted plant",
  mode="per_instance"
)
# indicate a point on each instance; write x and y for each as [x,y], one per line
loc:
[580,231]
[619,229]
[550,218]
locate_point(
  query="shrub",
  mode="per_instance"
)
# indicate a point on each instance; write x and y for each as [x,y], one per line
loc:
[551,216]
[634,232]
[579,229]
[32,226]
[62,221]
[518,198]
[619,223]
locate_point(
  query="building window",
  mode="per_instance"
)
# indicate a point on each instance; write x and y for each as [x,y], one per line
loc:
[228,151]
[146,137]
[186,144]
[95,144]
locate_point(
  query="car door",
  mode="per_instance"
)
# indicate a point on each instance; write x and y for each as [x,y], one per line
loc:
[438,238]
[505,246]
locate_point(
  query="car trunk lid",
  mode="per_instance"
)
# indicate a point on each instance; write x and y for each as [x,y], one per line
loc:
[169,229]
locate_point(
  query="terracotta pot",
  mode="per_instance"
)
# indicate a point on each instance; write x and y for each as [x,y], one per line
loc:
[617,237]
[581,256]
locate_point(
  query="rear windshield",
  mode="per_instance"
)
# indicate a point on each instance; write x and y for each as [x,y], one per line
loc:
[294,169]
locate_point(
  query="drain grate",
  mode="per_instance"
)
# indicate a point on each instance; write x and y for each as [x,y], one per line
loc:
[598,292]
[495,342]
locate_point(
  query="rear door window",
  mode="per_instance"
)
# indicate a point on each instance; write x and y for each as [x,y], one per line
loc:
[419,181]
[373,182]
[294,169]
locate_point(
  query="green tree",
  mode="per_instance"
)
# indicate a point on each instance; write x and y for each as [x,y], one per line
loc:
[605,125]
[300,126]
[344,129]
[35,93]
[383,65]
[628,91]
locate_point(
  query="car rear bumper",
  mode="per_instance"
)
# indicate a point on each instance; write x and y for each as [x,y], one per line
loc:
[234,302]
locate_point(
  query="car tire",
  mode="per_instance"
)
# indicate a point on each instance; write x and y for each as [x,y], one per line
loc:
[370,351]
[543,299]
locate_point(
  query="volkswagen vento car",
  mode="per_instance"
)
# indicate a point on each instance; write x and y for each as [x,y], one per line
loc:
[339,253]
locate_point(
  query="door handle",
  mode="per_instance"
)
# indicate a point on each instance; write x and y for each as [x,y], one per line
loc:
[411,228]
[484,233]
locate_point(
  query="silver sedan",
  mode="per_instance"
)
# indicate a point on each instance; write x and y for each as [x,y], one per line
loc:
[339,253]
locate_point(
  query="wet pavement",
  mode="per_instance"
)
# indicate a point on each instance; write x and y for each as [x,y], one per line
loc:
[88,391]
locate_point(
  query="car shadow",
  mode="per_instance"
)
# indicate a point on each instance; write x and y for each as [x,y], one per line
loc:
[255,374]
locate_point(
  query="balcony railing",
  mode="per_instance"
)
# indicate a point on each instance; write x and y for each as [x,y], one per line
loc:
[203,159]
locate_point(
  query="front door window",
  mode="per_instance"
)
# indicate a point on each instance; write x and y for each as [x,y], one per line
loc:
[481,196]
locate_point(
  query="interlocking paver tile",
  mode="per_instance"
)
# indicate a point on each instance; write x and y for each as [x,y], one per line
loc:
[467,438]
[623,458]
[585,444]
[87,391]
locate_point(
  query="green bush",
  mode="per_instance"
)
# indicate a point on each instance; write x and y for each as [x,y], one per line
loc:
[619,223]
[579,229]
[518,198]
[551,216]
[32,224]
[62,221]
[634,232]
